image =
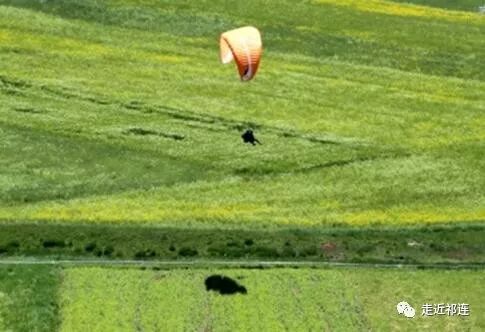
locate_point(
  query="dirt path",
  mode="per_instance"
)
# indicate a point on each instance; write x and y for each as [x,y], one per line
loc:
[224,263]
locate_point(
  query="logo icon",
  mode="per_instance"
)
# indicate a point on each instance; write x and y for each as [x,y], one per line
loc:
[404,308]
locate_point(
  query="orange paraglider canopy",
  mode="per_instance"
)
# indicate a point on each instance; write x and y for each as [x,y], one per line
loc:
[245,47]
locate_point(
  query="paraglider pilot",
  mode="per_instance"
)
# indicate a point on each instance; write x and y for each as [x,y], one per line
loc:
[248,137]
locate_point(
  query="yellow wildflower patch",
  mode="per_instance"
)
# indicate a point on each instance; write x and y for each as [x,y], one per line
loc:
[409,10]
[4,36]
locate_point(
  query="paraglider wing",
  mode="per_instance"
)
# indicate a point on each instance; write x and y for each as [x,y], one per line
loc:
[245,47]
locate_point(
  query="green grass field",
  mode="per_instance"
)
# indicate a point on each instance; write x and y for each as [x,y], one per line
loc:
[28,298]
[120,139]
[120,113]
[128,299]
[465,5]
[98,299]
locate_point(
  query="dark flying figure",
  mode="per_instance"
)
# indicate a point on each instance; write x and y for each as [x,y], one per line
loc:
[248,137]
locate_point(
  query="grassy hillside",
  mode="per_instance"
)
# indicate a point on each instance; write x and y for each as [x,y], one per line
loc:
[467,5]
[120,139]
[369,112]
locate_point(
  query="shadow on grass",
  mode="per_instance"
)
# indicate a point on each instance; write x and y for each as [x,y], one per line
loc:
[224,285]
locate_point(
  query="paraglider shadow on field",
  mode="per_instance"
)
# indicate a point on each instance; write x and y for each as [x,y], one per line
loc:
[224,285]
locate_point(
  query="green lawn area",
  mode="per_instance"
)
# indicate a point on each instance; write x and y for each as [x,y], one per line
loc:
[106,299]
[42,298]
[28,298]
[119,112]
